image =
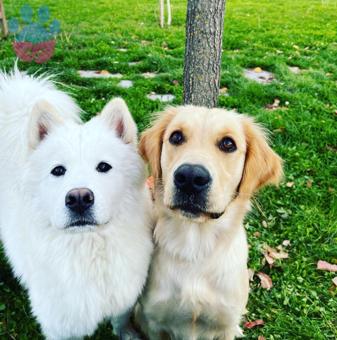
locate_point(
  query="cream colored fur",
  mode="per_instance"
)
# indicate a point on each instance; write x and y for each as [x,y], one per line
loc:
[198,282]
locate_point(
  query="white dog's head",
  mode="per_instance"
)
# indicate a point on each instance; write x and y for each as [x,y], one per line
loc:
[78,174]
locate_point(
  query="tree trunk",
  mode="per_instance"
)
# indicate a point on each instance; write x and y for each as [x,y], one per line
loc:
[204,29]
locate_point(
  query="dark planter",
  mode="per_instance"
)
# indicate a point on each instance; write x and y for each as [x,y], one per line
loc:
[39,52]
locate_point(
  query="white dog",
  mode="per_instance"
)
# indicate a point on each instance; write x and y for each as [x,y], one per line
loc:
[74,209]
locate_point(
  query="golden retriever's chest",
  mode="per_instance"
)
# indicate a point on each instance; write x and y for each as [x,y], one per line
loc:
[187,298]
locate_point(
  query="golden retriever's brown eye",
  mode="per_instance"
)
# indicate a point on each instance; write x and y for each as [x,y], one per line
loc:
[227,144]
[177,138]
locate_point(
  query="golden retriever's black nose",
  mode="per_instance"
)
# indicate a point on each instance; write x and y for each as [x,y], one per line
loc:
[192,178]
[79,200]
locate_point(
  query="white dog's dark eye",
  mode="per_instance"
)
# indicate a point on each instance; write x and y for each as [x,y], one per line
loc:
[58,171]
[227,144]
[177,138]
[103,167]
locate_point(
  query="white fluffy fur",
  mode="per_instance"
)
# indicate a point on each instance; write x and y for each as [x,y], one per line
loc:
[76,278]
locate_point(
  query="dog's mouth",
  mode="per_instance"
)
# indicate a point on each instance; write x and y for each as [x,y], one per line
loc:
[192,211]
[81,224]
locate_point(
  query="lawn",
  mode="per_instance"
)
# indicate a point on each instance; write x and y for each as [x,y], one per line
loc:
[272,35]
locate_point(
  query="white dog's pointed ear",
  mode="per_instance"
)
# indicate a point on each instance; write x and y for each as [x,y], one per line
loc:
[118,117]
[43,118]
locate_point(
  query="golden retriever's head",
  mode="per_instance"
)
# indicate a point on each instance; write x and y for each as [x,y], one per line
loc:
[202,159]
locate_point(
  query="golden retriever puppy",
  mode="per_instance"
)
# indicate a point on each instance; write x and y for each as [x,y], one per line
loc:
[207,164]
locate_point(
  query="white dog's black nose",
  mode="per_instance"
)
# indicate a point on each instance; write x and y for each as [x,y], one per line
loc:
[79,200]
[192,178]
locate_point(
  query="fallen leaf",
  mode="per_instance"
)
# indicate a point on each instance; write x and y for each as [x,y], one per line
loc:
[290,184]
[150,182]
[257,69]
[261,337]
[286,243]
[269,259]
[279,130]
[272,254]
[309,183]
[223,90]
[251,274]
[334,280]
[332,148]
[323,265]
[104,72]
[266,281]
[252,324]
[175,82]
[257,234]
[150,185]
[274,106]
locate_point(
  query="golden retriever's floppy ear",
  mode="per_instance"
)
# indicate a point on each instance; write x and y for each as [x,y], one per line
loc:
[151,141]
[262,165]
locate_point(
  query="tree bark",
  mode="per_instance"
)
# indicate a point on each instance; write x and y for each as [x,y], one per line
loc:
[204,30]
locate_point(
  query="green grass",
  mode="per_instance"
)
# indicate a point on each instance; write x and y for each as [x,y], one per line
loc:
[272,35]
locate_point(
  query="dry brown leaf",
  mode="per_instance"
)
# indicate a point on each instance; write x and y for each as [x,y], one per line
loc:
[279,130]
[323,265]
[252,324]
[309,183]
[332,148]
[286,243]
[334,280]
[266,281]
[272,254]
[269,259]
[251,274]
[223,90]
[290,184]
[274,106]
[150,185]
[261,337]
[104,72]
[257,234]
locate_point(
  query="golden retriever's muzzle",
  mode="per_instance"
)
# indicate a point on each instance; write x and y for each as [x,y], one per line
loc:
[192,183]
